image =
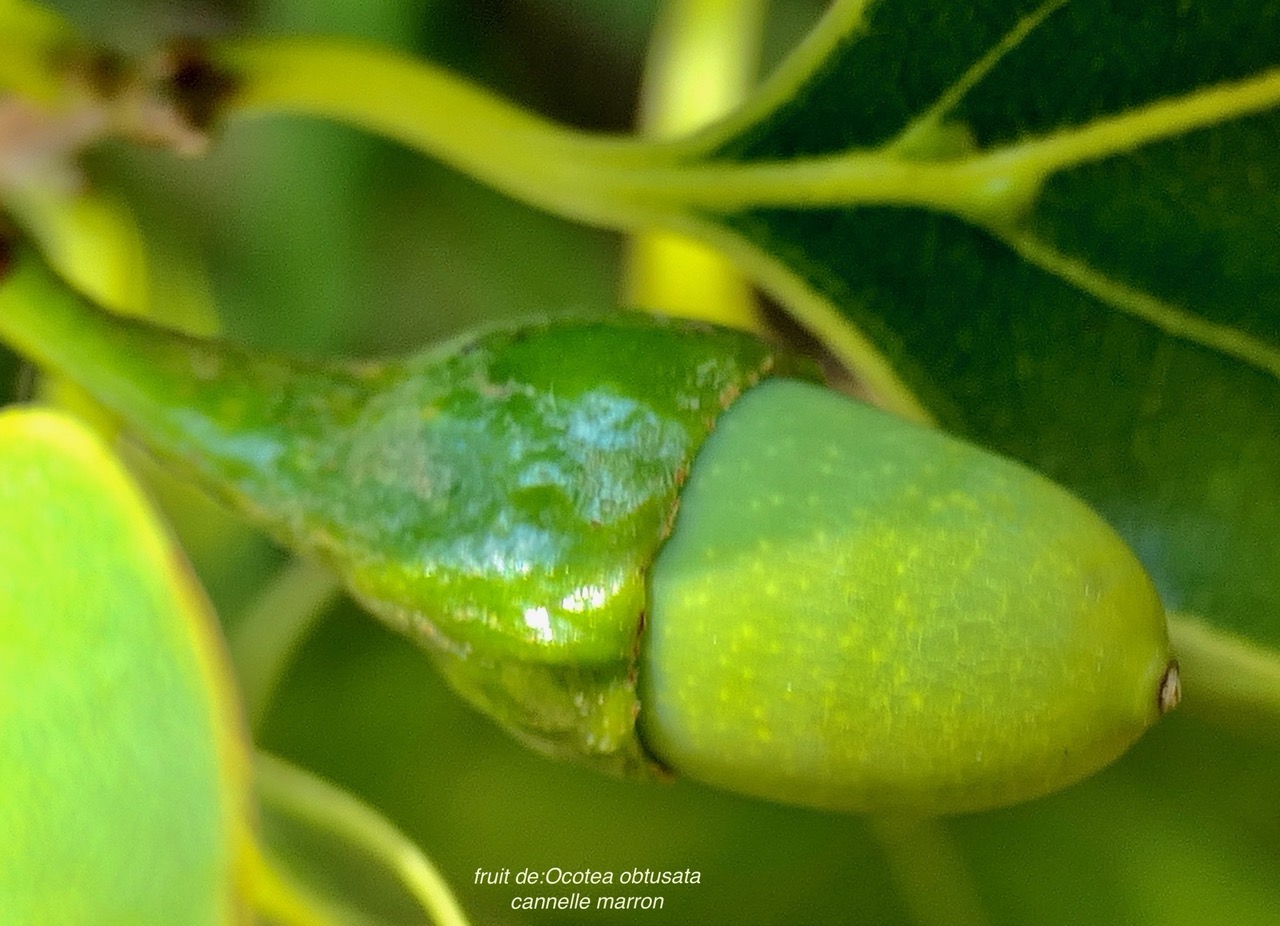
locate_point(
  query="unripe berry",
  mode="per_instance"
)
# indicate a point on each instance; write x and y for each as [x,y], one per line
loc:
[857,613]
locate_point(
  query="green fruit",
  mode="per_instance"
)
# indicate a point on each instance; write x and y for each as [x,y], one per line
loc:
[857,613]
[502,500]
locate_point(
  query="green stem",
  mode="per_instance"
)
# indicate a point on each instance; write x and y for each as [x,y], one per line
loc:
[227,413]
[268,634]
[304,797]
[618,182]
[431,110]
[1225,677]
[702,63]
[42,317]
[238,421]
[933,879]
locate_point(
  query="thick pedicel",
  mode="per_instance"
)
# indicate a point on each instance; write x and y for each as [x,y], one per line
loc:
[857,613]
[498,499]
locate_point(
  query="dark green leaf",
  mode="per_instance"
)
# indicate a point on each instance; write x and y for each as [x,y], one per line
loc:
[1118,326]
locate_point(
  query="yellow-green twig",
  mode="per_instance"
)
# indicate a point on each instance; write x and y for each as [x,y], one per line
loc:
[632,183]
[702,60]
[270,631]
[1223,675]
[298,794]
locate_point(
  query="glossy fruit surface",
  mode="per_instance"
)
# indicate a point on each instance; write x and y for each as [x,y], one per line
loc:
[857,613]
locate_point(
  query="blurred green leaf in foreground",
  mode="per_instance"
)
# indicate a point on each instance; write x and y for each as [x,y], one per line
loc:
[123,770]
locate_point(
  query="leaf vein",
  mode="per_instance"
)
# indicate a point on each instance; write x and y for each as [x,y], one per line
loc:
[951,97]
[1163,119]
[1172,319]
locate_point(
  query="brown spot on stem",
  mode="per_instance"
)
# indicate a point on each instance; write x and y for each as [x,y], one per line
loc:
[1170,691]
[196,84]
